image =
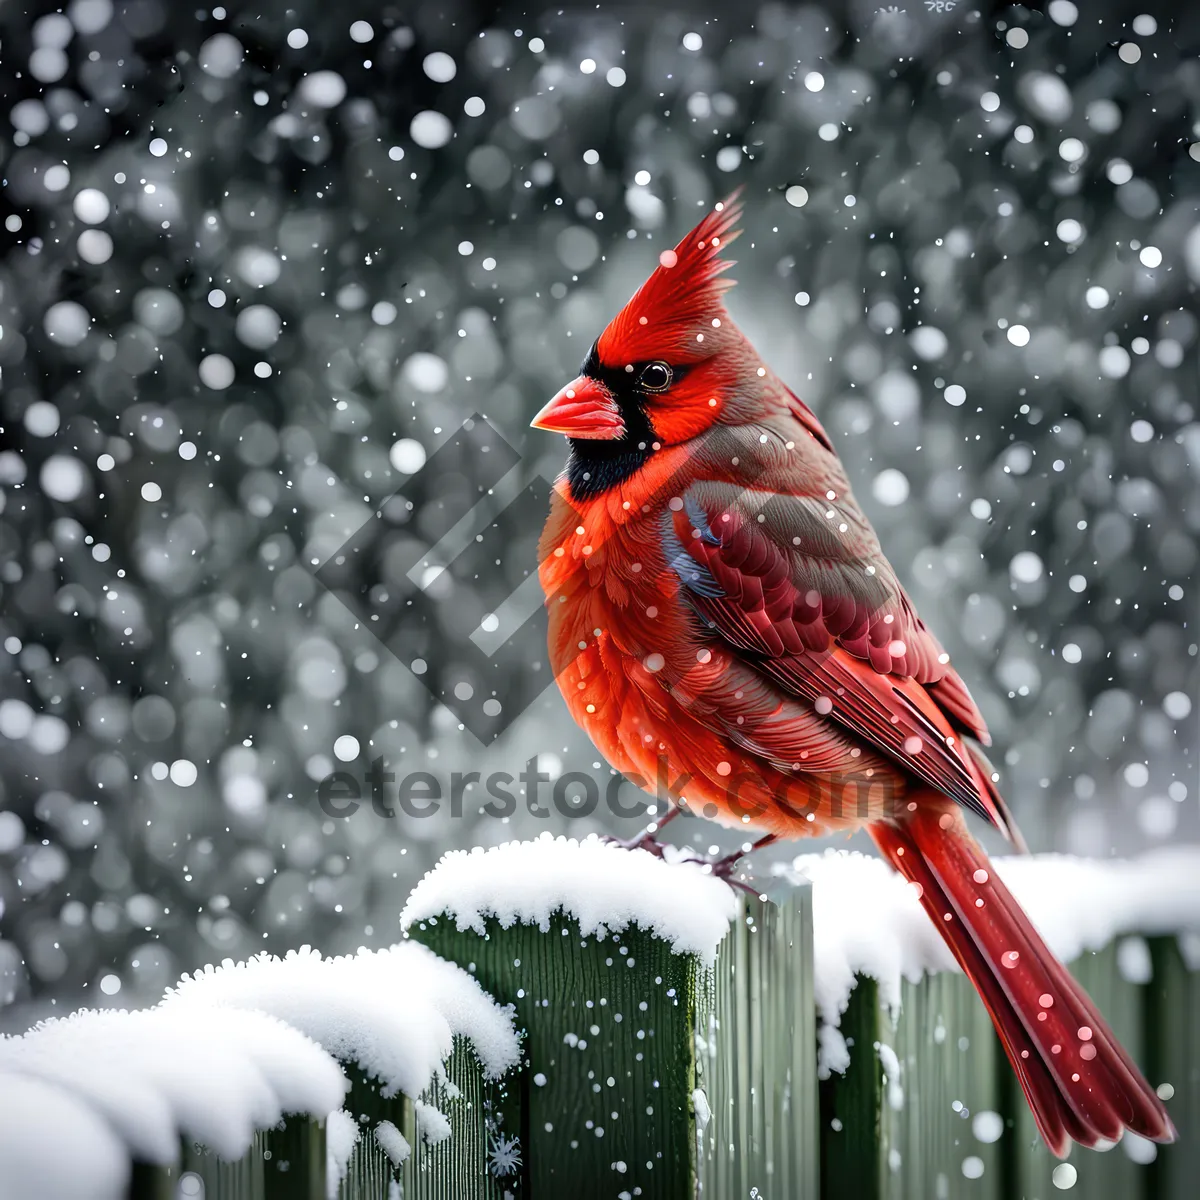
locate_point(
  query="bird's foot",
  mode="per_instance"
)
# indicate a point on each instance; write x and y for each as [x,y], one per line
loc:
[645,840]
[721,868]
[725,868]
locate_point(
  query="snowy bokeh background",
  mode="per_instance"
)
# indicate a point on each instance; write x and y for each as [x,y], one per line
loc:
[262,260]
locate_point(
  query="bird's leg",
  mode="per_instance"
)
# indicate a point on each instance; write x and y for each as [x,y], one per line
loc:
[646,840]
[723,868]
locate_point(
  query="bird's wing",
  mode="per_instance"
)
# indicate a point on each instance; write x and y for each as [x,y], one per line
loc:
[799,587]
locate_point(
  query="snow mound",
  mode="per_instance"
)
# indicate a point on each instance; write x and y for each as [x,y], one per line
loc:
[394,1012]
[601,885]
[868,921]
[215,1075]
[54,1147]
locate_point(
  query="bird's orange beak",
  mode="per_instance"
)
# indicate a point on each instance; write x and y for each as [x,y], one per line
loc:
[585,408]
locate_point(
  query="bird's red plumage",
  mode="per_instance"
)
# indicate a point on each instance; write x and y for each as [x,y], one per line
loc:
[724,621]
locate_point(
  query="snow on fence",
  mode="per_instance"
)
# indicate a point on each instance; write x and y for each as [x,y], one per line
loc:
[573,1019]
[916,1096]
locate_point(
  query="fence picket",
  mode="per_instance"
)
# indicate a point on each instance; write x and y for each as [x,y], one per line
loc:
[1172,1031]
[756,1057]
[602,1099]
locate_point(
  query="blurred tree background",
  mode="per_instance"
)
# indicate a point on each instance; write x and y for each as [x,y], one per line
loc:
[262,260]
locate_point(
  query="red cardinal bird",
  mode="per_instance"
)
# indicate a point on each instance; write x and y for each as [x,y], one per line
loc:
[722,617]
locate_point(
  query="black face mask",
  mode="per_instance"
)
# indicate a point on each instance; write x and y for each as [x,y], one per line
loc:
[597,464]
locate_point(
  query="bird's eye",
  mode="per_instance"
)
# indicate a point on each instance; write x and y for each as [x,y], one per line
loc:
[655,377]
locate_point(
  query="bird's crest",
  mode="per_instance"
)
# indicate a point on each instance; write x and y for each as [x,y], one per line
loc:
[680,299]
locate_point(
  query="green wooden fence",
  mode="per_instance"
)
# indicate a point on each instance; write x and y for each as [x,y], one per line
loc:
[645,1073]
[930,1107]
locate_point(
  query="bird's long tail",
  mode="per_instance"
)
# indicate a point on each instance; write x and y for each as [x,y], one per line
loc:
[1079,1081]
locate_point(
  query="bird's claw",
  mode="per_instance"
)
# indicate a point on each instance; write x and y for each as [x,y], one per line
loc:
[646,839]
[720,868]
[643,841]
[724,868]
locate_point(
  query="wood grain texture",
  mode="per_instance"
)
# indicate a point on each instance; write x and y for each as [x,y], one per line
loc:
[756,1057]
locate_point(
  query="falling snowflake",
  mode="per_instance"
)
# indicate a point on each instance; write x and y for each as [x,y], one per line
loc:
[504,1156]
